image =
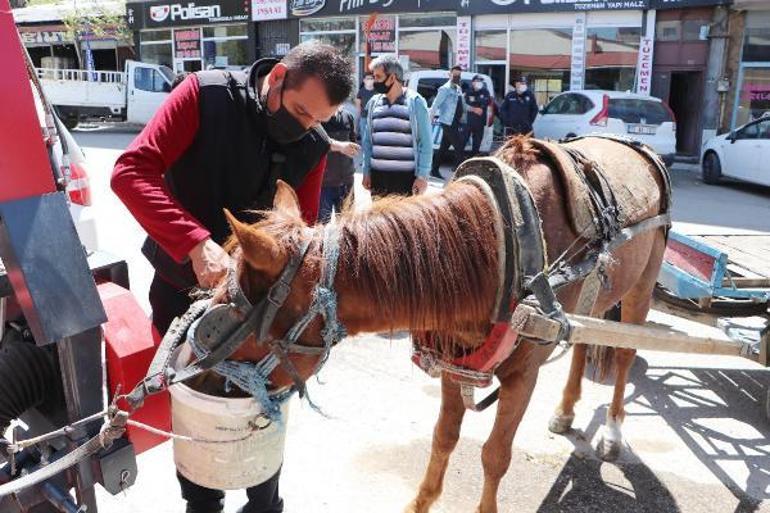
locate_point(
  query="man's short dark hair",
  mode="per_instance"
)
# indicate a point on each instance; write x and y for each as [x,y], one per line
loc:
[457,68]
[324,62]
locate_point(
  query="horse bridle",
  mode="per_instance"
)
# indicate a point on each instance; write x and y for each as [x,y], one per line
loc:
[215,331]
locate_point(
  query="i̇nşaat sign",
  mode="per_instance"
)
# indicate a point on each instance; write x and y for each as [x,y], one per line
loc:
[199,12]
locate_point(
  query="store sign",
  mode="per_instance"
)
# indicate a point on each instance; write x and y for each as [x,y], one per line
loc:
[678,4]
[187,44]
[302,8]
[200,12]
[382,35]
[463,58]
[644,66]
[578,60]
[517,6]
[43,37]
[264,10]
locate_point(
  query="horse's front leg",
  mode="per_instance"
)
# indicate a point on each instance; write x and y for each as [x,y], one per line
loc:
[561,422]
[515,393]
[445,437]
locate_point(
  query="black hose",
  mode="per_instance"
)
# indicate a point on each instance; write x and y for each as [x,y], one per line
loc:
[28,376]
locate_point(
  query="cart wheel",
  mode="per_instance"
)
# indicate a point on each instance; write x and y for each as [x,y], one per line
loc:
[721,306]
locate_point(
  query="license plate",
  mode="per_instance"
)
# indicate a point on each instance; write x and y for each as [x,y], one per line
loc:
[642,129]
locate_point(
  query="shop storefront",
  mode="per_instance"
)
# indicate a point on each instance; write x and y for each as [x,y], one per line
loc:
[51,45]
[558,51]
[752,100]
[423,34]
[208,34]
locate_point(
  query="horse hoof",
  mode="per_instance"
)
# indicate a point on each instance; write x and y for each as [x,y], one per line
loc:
[560,424]
[608,450]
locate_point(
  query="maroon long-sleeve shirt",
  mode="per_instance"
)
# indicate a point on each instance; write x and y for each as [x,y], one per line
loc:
[138,175]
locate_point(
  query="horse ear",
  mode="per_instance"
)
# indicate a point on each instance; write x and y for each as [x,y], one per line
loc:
[286,199]
[261,251]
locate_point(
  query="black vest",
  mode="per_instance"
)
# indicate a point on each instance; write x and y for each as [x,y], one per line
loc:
[232,163]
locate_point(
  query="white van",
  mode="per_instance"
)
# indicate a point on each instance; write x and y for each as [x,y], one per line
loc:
[427,83]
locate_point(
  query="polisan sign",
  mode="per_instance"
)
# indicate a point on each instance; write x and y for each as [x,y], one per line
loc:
[186,13]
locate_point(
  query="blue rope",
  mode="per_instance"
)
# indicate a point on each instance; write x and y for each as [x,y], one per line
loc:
[254,378]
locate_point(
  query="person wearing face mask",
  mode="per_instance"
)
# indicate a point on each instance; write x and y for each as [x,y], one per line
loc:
[477,100]
[365,94]
[221,140]
[397,142]
[519,109]
[448,110]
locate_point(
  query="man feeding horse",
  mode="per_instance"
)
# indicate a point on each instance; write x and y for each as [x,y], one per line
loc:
[222,140]
[575,227]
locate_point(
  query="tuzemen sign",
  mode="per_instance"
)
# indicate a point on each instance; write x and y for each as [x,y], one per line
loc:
[517,6]
[199,12]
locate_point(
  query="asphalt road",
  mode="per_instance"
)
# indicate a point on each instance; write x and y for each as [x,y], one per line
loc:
[696,436]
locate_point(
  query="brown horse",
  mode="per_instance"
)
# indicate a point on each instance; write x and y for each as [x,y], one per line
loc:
[429,264]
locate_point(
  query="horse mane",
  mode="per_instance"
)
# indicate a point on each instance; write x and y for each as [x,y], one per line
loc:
[425,259]
[518,152]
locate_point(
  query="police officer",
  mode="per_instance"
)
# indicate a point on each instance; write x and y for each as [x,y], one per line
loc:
[519,109]
[477,100]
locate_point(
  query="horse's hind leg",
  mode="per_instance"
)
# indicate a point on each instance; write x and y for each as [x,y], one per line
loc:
[445,437]
[561,422]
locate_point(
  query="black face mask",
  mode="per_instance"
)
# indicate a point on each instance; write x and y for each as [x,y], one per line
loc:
[282,127]
[381,88]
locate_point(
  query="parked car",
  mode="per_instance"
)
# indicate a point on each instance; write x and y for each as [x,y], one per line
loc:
[644,118]
[742,154]
[427,82]
[70,170]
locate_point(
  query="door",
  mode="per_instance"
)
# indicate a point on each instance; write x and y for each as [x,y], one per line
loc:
[148,86]
[741,152]
[760,172]
[685,99]
[564,116]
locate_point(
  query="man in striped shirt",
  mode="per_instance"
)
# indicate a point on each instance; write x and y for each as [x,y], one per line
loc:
[397,140]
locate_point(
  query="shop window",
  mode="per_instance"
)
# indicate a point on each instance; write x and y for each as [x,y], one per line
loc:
[422,20]
[490,45]
[754,95]
[156,53]
[427,49]
[611,55]
[691,29]
[543,56]
[225,31]
[327,24]
[148,79]
[756,45]
[154,35]
[668,30]
[225,54]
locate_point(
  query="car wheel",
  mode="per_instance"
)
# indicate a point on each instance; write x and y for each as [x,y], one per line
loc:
[712,169]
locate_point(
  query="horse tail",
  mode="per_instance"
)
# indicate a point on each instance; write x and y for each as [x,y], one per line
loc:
[602,358]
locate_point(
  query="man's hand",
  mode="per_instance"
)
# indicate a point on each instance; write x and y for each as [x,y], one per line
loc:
[367,182]
[350,149]
[420,185]
[477,110]
[210,262]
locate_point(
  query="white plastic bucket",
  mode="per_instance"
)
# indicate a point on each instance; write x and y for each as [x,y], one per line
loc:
[224,466]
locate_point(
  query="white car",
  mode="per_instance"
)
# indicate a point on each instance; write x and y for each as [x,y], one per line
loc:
[644,118]
[743,153]
[70,172]
[427,82]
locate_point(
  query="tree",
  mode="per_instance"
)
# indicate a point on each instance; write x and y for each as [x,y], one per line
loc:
[95,20]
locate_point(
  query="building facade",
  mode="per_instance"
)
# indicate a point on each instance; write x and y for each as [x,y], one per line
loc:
[192,36]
